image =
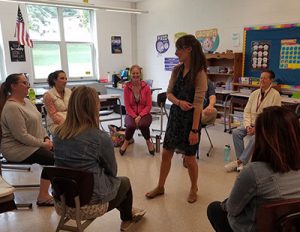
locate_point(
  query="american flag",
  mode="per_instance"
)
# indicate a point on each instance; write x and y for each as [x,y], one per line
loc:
[21,33]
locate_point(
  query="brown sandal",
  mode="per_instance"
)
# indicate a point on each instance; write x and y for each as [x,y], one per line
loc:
[155,192]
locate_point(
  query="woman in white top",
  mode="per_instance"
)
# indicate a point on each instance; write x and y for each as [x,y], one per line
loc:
[56,99]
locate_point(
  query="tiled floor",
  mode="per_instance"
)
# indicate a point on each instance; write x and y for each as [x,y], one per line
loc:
[170,212]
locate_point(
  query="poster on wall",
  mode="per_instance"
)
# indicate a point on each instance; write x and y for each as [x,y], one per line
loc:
[289,54]
[170,63]
[17,52]
[178,35]
[260,54]
[162,44]
[116,45]
[209,39]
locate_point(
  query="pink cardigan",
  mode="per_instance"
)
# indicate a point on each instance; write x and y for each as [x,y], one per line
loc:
[143,107]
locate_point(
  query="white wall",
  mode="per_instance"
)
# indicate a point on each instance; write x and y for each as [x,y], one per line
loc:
[229,16]
[108,24]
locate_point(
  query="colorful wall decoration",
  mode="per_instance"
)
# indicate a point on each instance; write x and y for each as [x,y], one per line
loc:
[275,47]
[209,39]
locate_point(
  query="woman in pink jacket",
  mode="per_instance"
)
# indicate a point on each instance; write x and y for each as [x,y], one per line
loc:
[138,103]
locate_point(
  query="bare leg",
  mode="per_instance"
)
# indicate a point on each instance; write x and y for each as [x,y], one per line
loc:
[165,166]
[192,166]
[44,190]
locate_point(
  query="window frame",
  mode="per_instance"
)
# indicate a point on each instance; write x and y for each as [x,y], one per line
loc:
[63,47]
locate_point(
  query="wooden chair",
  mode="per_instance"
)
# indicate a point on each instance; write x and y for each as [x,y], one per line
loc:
[72,192]
[279,216]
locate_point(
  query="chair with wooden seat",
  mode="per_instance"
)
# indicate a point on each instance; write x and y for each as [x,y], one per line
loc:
[279,216]
[204,126]
[72,192]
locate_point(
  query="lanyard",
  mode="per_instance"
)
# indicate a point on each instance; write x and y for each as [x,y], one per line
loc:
[260,99]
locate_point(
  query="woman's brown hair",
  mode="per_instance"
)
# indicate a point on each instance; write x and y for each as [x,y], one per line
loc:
[198,60]
[83,113]
[277,139]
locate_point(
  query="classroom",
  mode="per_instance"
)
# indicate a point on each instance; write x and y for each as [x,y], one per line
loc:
[128,52]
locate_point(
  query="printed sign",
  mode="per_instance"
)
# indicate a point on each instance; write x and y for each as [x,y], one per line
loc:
[209,39]
[260,54]
[17,51]
[116,45]
[170,63]
[289,54]
[162,44]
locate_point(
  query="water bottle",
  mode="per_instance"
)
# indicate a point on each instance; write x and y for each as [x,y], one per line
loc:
[227,150]
[31,95]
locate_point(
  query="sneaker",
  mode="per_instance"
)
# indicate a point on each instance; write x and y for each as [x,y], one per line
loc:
[232,166]
[137,215]
[240,167]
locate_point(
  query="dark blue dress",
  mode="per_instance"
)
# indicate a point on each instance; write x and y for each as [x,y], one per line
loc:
[180,122]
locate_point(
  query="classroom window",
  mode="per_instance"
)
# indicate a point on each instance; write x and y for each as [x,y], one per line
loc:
[63,39]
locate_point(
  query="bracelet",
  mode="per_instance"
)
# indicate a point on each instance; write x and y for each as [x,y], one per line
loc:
[195,131]
[46,138]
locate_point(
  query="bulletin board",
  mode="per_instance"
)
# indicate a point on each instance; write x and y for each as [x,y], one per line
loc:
[274,47]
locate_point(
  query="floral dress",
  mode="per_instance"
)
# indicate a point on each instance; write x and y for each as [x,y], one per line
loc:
[180,122]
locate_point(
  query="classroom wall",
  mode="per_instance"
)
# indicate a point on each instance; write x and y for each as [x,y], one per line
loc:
[108,24]
[230,16]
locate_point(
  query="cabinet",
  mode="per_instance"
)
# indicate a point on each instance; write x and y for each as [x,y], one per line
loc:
[224,68]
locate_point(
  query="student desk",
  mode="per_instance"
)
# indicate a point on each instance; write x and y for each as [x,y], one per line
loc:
[111,100]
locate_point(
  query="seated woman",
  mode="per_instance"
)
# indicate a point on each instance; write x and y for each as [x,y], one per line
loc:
[24,139]
[138,104]
[80,144]
[273,173]
[56,99]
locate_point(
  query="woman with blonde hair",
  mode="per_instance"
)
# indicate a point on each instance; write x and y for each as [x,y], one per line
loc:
[138,104]
[80,144]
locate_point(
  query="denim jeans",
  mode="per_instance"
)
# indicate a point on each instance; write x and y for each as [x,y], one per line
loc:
[242,153]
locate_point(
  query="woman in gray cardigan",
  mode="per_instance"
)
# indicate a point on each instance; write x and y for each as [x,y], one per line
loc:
[24,140]
[273,173]
[80,144]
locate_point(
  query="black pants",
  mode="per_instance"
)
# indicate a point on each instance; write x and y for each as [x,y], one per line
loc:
[123,200]
[218,217]
[42,157]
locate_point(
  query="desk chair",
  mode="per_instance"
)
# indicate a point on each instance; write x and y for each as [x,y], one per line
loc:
[210,142]
[72,191]
[160,111]
[6,197]
[279,216]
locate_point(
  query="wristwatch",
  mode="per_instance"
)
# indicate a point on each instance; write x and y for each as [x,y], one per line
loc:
[195,131]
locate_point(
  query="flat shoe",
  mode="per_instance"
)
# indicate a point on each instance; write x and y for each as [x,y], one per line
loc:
[192,198]
[122,152]
[45,203]
[152,152]
[155,192]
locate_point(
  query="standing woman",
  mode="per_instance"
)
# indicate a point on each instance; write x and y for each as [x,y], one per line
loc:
[24,139]
[186,91]
[56,99]
[138,104]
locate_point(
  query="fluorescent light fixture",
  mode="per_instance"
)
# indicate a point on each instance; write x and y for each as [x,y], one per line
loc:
[124,11]
[81,5]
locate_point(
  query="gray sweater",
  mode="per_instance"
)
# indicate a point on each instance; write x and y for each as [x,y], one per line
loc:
[92,150]
[22,130]
[256,184]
